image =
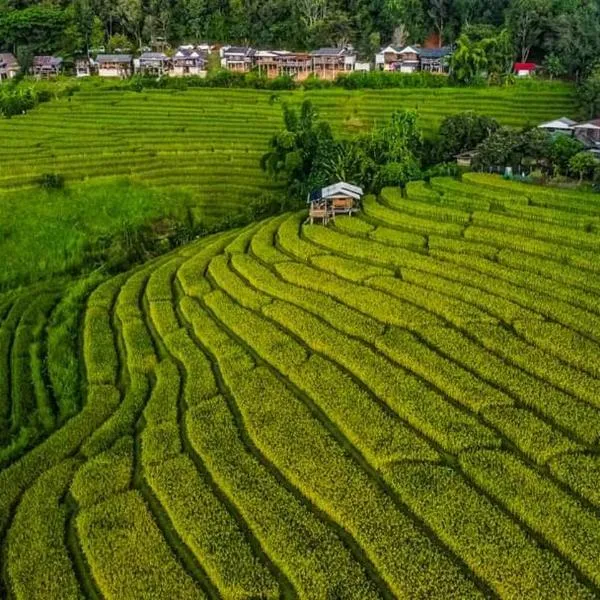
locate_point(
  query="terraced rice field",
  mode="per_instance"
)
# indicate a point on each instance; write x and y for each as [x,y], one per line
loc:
[210,141]
[405,404]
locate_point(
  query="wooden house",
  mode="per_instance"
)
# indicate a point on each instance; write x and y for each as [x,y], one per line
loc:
[435,60]
[328,63]
[154,64]
[9,67]
[465,159]
[188,62]
[83,67]
[237,58]
[45,67]
[588,133]
[114,65]
[274,63]
[408,60]
[337,199]
[387,58]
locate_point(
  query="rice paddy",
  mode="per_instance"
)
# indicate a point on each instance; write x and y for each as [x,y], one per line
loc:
[401,404]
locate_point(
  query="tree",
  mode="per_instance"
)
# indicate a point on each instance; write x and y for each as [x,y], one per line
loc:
[398,141]
[462,132]
[589,94]
[439,14]
[576,39]
[501,149]
[554,66]
[583,164]
[296,151]
[468,61]
[132,14]
[562,150]
[526,20]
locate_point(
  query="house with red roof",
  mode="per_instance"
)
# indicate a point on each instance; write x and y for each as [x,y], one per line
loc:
[524,69]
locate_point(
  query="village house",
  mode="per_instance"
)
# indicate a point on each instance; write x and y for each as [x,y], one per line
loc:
[237,58]
[589,134]
[114,65]
[387,58]
[274,63]
[188,62]
[45,67]
[328,63]
[408,60]
[563,125]
[83,67]
[338,199]
[435,60]
[9,67]
[154,64]
[405,60]
[524,69]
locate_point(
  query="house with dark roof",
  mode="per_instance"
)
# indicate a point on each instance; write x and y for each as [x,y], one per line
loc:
[154,64]
[114,65]
[237,58]
[408,59]
[588,133]
[9,67]
[45,67]
[328,63]
[188,62]
[435,60]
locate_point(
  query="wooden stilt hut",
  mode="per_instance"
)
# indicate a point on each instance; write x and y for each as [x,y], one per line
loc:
[337,199]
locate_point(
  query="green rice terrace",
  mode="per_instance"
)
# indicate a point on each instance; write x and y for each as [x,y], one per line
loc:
[405,403]
[192,156]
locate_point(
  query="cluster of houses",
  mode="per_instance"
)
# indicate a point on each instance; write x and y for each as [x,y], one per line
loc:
[325,63]
[587,132]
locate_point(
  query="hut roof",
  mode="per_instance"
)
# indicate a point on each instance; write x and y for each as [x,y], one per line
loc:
[337,189]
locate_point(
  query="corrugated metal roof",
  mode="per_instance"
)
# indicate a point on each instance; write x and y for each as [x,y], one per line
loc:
[7,59]
[347,189]
[435,52]
[154,56]
[113,58]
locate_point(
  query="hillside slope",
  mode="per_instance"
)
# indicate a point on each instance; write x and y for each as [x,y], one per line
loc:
[402,405]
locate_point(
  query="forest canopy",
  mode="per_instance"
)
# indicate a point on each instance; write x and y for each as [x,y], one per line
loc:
[563,34]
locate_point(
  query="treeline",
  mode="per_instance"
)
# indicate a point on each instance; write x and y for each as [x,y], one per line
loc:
[306,154]
[565,36]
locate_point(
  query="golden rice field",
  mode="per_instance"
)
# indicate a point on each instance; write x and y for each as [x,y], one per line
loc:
[404,404]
